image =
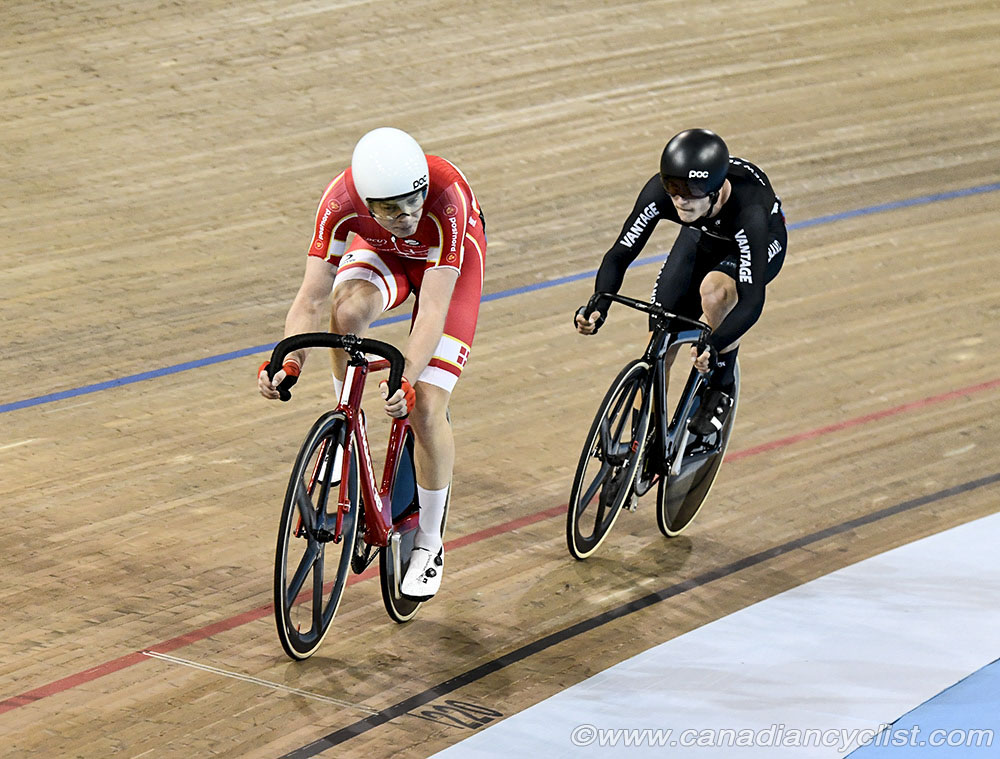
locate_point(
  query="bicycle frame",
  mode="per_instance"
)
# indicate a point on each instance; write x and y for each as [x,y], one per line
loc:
[637,439]
[379,525]
[672,436]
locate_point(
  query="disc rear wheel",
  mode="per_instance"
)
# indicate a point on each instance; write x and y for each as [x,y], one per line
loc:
[394,559]
[680,496]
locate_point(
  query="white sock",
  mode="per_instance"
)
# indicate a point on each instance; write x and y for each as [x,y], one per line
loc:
[338,385]
[432,503]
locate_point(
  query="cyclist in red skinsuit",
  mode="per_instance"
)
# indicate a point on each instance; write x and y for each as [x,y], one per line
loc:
[417,228]
[450,230]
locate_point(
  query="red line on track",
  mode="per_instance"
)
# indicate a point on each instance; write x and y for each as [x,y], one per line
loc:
[123,662]
[859,420]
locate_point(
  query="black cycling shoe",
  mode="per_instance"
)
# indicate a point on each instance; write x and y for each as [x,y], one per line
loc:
[712,413]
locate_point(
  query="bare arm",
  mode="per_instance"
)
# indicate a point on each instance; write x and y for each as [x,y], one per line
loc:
[435,298]
[308,312]
[311,310]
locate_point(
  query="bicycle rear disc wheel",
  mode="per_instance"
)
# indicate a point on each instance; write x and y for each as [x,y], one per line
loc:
[310,568]
[405,507]
[680,497]
[608,463]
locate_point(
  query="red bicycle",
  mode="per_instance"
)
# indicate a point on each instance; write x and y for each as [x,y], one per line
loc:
[319,539]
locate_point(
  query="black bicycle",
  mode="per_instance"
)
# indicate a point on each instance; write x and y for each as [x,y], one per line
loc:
[634,444]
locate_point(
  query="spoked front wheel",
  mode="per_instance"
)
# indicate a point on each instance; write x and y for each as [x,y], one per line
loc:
[608,464]
[681,495]
[313,557]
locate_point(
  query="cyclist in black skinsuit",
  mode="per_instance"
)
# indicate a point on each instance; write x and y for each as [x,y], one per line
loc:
[731,244]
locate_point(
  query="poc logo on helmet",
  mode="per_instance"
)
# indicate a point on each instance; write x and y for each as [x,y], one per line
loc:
[695,174]
[418,183]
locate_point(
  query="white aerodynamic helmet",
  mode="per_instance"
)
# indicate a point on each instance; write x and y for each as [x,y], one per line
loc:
[388,163]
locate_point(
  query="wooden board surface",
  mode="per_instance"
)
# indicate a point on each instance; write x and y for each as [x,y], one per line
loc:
[161,169]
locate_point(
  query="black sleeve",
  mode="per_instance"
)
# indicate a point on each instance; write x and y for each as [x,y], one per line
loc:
[752,241]
[630,242]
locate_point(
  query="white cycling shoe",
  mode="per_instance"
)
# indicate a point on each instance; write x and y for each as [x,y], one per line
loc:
[423,577]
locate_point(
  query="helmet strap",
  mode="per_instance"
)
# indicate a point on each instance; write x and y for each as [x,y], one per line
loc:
[712,198]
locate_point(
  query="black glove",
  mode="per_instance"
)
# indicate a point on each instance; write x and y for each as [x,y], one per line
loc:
[582,311]
[284,387]
[713,354]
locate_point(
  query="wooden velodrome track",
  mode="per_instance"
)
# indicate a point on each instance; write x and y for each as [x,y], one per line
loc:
[161,165]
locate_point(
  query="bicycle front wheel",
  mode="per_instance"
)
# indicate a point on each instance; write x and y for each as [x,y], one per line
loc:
[312,560]
[609,461]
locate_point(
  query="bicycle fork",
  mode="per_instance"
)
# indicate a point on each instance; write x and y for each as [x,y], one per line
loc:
[397,563]
[322,470]
[675,465]
[680,423]
[675,435]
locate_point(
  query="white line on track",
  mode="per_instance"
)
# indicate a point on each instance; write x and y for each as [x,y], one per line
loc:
[58,408]
[258,681]
[19,443]
[959,451]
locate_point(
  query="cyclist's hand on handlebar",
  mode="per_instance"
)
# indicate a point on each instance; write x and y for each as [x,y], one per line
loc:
[285,377]
[585,325]
[402,401]
[704,357]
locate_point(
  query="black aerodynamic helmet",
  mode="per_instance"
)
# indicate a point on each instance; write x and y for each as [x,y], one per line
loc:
[694,163]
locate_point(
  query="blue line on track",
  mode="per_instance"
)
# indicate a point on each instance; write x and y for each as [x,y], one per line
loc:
[142,376]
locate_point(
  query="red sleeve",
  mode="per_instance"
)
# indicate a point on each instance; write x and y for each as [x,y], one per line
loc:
[330,228]
[450,212]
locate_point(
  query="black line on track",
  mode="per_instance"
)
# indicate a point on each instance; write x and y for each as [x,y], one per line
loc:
[448,686]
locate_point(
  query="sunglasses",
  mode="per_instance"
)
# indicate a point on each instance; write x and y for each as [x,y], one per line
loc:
[682,189]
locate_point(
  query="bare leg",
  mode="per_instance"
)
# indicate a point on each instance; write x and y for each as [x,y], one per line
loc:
[434,458]
[356,304]
[718,297]
[434,445]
